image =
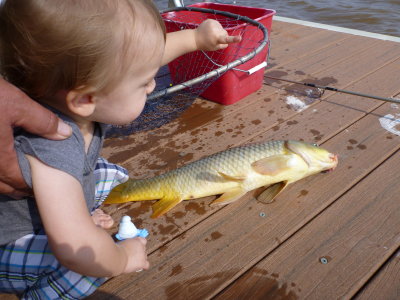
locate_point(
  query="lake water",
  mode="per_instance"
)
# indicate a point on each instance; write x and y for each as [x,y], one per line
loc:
[369,15]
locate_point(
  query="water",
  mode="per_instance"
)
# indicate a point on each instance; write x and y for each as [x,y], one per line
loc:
[369,15]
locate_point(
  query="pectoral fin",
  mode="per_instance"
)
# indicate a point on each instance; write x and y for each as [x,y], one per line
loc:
[164,205]
[272,165]
[232,178]
[229,196]
[271,192]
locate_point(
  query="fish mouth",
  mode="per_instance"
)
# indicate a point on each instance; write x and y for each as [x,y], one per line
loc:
[334,158]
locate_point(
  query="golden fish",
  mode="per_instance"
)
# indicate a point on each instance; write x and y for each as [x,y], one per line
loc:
[231,173]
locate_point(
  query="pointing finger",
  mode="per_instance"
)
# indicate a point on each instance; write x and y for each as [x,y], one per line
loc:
[228,39]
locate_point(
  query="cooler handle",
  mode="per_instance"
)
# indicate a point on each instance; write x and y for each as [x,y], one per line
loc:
[253,69]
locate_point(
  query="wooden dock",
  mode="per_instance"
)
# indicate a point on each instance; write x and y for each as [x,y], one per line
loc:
[328,236]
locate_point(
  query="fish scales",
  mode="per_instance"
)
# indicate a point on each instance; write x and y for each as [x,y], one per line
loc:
[204,173]
[231,173]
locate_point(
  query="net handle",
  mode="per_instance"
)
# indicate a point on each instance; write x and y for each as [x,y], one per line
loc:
[221,69]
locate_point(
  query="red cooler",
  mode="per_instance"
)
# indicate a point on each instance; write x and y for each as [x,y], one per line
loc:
[233,85]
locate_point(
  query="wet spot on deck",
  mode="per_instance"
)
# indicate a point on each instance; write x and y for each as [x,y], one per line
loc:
[256,122]
[277,73]
[176,270]
[196,207]
[184,289]
[169,229]
[317,135]
[302,193]
[292,122]
[144,207]
[362,147]
[179,214]
[255,279]
[325,81]
[215,235]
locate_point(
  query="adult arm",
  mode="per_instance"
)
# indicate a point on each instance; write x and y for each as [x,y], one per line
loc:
[18,110]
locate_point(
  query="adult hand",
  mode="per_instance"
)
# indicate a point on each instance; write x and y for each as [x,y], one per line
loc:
[18,110]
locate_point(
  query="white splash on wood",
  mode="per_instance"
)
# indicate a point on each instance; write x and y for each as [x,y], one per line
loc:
[296,103]
[389,122]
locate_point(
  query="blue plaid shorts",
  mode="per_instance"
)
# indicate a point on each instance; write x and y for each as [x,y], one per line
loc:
[28,267]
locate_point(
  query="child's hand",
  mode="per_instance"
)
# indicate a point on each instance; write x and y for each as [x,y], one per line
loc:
[135,250]
[211,36]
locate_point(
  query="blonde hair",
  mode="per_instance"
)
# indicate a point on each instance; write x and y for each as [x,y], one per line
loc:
[53,45]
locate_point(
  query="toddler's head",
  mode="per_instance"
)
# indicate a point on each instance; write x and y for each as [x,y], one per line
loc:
[90,48]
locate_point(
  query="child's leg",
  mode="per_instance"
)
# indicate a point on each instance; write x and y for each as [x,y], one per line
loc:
[28,268]
[107,176]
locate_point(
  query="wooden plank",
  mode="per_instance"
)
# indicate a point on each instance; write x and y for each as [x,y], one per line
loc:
[385,284]
[279,27]
[193,255]
[336,254]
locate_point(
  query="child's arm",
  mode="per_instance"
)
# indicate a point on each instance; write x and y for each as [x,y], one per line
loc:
[73,237]
[208,36]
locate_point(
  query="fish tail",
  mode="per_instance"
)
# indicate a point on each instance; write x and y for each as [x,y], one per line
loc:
[135,190]
[117,195]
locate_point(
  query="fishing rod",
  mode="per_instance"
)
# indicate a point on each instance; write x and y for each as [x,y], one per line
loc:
[393,100]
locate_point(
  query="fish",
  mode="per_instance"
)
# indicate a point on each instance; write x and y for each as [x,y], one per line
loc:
[231,174]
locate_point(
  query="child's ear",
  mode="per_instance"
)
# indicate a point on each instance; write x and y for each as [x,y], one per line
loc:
[81,103]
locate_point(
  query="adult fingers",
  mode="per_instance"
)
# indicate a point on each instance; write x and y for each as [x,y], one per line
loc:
[36,119]
[21,111]
[6,189]
[10,173]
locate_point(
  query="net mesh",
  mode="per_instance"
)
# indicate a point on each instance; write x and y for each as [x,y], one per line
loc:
[163,106]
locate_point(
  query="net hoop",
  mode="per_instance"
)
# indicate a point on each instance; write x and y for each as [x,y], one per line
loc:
[222,69]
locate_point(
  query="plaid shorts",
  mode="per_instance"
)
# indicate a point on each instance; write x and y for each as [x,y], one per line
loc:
[28,267]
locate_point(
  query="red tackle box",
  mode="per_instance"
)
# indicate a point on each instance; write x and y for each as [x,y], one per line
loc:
[233,85]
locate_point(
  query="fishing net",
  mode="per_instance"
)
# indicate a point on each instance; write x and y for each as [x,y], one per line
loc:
[189,76]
